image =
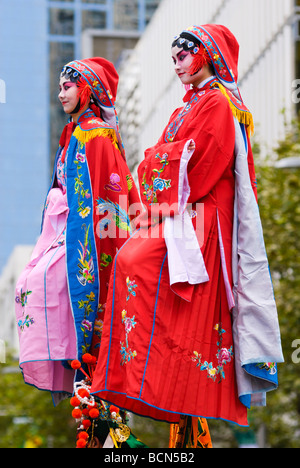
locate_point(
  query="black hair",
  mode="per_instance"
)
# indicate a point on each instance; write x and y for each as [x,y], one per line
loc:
[189,43]
[186,42]
[70,74]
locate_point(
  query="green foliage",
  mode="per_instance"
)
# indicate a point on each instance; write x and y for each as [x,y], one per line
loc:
[28,417]
[279,202]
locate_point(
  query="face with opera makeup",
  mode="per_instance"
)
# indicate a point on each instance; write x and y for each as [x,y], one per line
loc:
[183,60]
[68,95]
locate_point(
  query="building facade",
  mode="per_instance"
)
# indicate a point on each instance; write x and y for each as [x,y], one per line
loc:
[38,37]
[24,122]
[268,33]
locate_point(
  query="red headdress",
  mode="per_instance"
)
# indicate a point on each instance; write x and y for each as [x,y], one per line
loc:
[100,79]
[223,52]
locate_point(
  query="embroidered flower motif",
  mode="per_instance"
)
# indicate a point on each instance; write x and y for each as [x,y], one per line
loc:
[80,157]
[23,300]
[114,183]
[86,261]
[85,212]
[224,356]
[83,194]
[131,288]
[129,324]
[161,184]
[126,352]
[158,184]
[98,327]
[27,322]
[270,367]
[86,325]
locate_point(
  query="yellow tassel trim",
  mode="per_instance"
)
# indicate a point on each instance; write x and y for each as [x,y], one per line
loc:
[84,136]
[242,116]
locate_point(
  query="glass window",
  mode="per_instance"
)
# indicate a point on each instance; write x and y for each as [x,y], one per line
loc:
[151,6]
[62,0]
[61,22]
[94,19]
[98,2]
[126,14]
[61,53]
[112,48]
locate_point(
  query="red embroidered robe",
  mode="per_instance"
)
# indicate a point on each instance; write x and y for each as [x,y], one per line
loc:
[169,351]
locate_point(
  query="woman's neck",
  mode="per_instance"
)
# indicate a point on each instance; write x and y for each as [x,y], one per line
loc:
[76,116]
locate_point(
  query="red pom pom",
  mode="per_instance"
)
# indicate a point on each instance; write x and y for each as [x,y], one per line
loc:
[83,393]
[75,364]
[76,413]
[81,443]
[83,435]
[114,409]
[94,413]
[87,358]
[86,423]
[74,402]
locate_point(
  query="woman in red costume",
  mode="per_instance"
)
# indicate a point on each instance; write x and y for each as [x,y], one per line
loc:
[191,325]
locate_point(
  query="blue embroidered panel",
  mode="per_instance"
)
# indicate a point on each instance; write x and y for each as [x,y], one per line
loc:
[82,267]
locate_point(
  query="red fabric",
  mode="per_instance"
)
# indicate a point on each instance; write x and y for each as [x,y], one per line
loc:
[84,93]
[106,165]
[227,44]
[106,71]
[65,139]
[159,353]
[108,158]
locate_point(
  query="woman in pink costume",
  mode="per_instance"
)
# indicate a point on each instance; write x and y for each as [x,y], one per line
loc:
[61,294]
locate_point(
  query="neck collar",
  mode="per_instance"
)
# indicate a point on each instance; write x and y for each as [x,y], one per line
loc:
[204,82]
[88,114]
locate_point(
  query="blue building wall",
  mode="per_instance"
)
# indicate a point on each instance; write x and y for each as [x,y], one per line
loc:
[24,126]
[26,38]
